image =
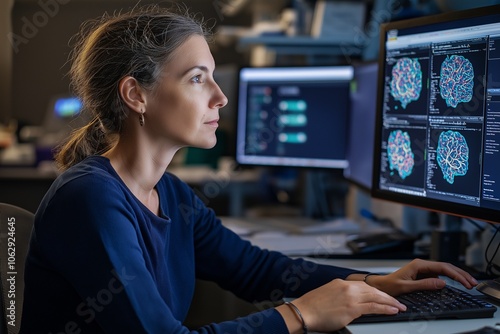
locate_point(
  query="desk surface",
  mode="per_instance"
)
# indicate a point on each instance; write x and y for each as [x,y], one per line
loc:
[410,327]
[426,327]
[299,236]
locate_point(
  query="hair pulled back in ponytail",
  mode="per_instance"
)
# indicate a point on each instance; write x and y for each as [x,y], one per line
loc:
[137,43]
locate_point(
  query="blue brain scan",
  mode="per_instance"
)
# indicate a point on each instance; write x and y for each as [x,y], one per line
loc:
[406,83]
[452,155]
[457,80]
[400,155]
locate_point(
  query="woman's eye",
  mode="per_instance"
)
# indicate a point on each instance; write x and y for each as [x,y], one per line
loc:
[197,79]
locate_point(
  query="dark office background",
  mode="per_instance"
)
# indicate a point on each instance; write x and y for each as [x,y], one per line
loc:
[40,62]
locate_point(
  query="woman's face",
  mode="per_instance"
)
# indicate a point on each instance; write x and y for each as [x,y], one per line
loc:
[184,107]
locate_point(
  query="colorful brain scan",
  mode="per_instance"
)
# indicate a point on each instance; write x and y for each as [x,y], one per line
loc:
[406,82]
[452,155]
[399,153]
[457,80]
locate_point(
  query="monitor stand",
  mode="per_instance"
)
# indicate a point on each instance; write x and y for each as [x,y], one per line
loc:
[325,194]
[448,241]
[451,223]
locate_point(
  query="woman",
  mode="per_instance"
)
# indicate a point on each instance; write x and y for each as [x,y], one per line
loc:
[118,243]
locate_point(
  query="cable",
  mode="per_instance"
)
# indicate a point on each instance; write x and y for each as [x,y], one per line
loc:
[473,222]
[490,266]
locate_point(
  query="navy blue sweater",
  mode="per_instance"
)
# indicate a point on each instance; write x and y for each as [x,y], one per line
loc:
[101,262]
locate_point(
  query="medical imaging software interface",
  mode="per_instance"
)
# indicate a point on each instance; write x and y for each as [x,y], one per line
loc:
[441,112]
[295,116]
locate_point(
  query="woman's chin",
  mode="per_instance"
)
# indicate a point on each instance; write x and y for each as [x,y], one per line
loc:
[207,145]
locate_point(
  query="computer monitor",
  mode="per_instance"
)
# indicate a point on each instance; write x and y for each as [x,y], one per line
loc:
[293,116]
[362,125]
[62,111]
[63,115]
[437,136]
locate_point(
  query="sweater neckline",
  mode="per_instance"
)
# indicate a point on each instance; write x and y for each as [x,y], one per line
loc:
[159,188]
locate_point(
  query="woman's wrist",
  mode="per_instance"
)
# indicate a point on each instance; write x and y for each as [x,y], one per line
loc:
[369,276]
[294,322]
[299,315]
[371,279]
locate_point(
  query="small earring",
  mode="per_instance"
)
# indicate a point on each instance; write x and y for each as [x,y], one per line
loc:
[141,118]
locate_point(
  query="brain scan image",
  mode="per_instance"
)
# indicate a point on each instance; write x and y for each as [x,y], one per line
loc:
[452,155]
[457,80]
[406,82]
[400,155]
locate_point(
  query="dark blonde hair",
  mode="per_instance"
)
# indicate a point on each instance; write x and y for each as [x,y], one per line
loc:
[137,43]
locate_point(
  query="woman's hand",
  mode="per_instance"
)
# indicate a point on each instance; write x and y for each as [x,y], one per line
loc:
[420,275]
[335,304]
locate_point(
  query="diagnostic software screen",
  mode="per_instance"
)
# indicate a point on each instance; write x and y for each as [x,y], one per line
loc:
[293,116]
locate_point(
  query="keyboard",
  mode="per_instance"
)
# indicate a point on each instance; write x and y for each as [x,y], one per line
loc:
[447,303]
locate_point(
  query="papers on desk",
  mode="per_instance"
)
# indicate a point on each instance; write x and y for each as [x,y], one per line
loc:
[342,225]
[302,244]
[247,226]
[295,237]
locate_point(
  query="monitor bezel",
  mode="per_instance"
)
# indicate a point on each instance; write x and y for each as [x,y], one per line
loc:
[455,209]
[302,164]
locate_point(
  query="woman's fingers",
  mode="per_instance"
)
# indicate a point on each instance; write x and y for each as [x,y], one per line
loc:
[376,308]
[423,275]
[444,269]
[451,271]
[380,301]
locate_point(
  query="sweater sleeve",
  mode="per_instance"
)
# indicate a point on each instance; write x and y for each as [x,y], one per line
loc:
[252,273]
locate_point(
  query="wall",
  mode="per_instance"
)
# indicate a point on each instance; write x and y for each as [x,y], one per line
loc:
[40,56]
[5,60]
[44,28]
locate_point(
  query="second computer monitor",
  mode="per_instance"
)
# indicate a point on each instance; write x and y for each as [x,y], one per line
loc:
[362,125]
[293,116]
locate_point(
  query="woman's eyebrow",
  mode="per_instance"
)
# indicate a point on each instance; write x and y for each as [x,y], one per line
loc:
[200,67]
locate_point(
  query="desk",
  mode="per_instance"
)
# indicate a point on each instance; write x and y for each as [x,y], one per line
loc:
[300,236]
[25,187]
[212,183]
[410,327]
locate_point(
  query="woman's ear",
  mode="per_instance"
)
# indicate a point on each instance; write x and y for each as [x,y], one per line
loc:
[132,94]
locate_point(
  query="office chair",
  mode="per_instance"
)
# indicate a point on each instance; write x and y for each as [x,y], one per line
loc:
[15,232]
